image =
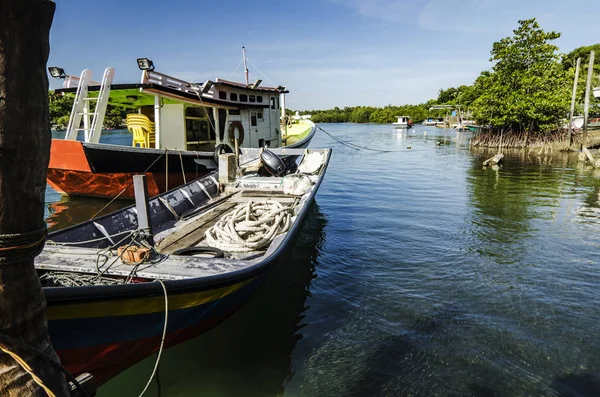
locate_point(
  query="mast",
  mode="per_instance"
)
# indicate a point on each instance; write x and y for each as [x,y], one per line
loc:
[245,65]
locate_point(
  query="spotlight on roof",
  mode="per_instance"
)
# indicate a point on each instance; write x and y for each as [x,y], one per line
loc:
[57,73]
[145,64]
[281,88]
[256,84]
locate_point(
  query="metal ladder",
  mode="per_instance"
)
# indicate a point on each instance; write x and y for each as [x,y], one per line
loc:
[81,107]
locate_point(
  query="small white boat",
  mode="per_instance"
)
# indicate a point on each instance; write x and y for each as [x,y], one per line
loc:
[403,122]
[597,92]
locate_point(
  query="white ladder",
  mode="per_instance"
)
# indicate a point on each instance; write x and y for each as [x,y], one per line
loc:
[81,107]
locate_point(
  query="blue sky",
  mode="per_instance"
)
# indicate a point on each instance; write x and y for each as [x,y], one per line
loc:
[327,52]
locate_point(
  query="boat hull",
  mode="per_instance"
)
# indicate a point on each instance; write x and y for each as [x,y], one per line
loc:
[113,335]
[100,170]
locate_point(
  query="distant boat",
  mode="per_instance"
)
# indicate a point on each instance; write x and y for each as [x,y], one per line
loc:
[430,122]
[403,122]
[597,92]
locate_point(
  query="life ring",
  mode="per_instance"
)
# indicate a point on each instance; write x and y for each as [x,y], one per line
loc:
[232,126]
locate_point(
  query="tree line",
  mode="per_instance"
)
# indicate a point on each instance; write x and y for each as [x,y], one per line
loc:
[528,88]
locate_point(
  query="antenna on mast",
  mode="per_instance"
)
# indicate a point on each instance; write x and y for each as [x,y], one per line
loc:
[245,65]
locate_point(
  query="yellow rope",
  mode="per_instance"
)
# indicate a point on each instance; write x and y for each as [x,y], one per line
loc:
[27,369]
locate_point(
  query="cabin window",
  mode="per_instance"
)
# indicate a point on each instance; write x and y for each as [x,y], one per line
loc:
[259,98]
[197,130]
[253,119]
[198,125]
[233,96]
[252,98]
[243,98]
[234,112]
[259,115]
[195,112]
[222,95]
[273,103]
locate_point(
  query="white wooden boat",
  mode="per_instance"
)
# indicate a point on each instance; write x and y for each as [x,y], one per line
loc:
[403,122]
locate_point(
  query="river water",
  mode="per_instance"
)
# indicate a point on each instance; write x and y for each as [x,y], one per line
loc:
[417,273]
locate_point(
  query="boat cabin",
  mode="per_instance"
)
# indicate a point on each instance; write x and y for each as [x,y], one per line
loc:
[179,115]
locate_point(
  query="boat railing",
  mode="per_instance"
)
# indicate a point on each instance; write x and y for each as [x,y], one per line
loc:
[152,77]
[73,82]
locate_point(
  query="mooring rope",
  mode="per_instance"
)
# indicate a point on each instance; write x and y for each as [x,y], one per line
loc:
[353,145]
[250,227]
[8,345]
[162,341]
[18,246]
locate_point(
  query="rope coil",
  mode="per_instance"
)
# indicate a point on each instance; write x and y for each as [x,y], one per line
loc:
[250,227]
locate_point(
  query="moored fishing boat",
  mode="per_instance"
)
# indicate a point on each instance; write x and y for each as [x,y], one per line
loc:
[178,130]
[118,285]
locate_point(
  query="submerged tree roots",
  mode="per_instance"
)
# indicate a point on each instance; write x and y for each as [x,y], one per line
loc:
[545,143]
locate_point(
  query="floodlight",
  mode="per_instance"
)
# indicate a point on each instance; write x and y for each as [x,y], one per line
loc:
[281,88]
[145,64]
[56,72]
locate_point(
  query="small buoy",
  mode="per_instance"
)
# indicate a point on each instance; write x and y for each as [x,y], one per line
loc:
[425,133]
[408,147]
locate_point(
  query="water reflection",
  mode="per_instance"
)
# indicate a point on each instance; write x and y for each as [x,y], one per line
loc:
[69,211]
[250,353]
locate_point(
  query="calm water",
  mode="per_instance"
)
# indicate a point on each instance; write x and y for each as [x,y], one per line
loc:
[418,273]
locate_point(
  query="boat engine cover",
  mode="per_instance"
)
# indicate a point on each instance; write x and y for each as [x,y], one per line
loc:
[273,163]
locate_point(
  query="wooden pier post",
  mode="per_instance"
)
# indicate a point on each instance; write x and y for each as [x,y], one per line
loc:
[24,155]
[570,136]
[586,104]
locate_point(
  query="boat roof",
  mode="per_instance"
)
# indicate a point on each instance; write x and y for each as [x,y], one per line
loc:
[173,90]
[137,94]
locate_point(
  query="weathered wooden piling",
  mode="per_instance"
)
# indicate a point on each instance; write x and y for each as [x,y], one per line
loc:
[573,97]
[586,103]
[27,360]
[494,160]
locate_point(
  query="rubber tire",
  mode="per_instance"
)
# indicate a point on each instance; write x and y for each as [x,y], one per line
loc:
[190,251]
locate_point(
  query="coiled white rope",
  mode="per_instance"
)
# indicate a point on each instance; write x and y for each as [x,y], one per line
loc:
[250,227]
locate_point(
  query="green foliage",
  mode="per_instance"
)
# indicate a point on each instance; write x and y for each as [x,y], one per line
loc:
[369,114]
[527,88]
[569,62]
[60,110]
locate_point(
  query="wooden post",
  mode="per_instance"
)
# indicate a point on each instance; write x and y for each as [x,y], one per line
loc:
[586,105]
[227,168]
[24,155]
[140,188]
[570,136]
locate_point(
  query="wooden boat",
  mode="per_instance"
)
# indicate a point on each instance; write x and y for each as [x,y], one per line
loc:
[403,122]
[105,314]
[179,129]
